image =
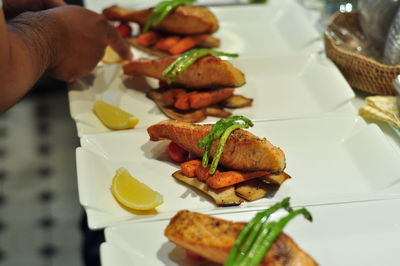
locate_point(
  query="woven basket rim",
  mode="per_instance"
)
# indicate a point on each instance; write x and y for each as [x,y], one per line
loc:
[349,53]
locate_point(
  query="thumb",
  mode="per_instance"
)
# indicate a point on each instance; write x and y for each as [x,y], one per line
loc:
[118,43]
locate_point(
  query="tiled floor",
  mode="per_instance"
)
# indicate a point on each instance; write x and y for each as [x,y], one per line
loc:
[39,209]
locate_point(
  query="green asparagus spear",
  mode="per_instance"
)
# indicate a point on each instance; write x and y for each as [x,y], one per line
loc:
[255,223]
[268,235]
[187,59]
[163,9]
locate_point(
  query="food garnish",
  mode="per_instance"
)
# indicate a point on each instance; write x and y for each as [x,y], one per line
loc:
[251,167]
[114,117]
[187,59]
[258,235]
[184,28]
[132,193]
[212,238]
[223,128]
[124,30]
[162,9]
[111,57]
[176,153]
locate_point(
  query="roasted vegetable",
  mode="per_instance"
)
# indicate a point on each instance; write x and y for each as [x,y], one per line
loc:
[222,197]
[237,101]
[173,113]
[251,190]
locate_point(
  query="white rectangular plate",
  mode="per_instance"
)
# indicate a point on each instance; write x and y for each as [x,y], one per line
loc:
[277,28]
[280,27]
[363,233]
[331,159]
[281,86]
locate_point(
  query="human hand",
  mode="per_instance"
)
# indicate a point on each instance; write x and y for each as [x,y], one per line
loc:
[83,36]
[13,8]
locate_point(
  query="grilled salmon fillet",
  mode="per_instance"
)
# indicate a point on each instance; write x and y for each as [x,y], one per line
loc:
[207,72]
[243,150]
[183,20]
[213,238]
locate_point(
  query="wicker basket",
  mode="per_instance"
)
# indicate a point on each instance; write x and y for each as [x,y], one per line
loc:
[361,72]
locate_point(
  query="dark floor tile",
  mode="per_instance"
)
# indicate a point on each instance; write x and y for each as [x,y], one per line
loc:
[2,256]
[3,132]
[44,149]
[45,172]
[46,196]
[3,153]
[42,111]
[3,199]
[3,175]
[48,250]
[3,226]
[43,128]
[47,222]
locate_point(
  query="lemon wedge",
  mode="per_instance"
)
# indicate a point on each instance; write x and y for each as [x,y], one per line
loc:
[114,117]
[111,56]
[133,194]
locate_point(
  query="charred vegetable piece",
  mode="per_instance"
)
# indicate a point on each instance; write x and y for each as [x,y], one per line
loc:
[217,112]
[190,116]
[237,101]
[222,197]
[252,190]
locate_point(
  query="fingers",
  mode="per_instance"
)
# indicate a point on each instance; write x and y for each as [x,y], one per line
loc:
[118,43]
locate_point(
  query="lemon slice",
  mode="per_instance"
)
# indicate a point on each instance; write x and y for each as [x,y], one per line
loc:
[113,117]
[110,56]
[133,194]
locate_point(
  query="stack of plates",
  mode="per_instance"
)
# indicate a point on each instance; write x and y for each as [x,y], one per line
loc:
[344,170]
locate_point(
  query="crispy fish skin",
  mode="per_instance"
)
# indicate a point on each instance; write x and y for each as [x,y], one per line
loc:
[206,73]
[183,20]
[243,150]
[213,238]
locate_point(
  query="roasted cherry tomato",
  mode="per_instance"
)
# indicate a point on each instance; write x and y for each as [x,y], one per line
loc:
[124,30]
[176,153]
[194,256]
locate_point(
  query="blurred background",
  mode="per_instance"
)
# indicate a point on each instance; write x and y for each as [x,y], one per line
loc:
[40,215]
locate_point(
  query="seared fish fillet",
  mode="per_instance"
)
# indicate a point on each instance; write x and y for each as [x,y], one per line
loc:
[243,151]
[207,72]
[183,20]
[213,238]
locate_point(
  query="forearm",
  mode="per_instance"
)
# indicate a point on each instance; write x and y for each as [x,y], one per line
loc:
[28,46]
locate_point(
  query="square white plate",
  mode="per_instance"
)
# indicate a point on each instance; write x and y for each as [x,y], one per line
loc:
[282,87]
[363,233]
[331,159]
